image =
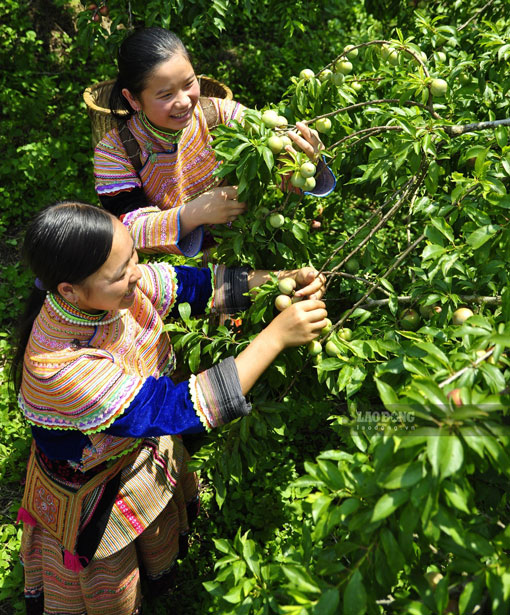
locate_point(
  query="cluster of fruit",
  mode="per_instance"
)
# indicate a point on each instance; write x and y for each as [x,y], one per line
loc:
[333,346]
[286,297]
[342,67]
[410,319]
[97,11]
[438,87]
[303,177]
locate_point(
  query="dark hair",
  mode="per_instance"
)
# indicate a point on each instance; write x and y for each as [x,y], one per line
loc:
[139,54]
[65,242]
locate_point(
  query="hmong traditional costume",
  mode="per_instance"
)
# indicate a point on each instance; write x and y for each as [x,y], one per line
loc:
[172,174]
[107,487]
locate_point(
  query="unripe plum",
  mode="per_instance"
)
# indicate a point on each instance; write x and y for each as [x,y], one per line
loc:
[286,286]
[461,315]
[282,302]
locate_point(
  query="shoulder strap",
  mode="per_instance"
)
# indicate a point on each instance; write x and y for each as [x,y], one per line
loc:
[210,112]
[131,146]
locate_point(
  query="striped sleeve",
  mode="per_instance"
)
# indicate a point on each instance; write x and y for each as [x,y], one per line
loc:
[113,172]
[217,396]
[156,230]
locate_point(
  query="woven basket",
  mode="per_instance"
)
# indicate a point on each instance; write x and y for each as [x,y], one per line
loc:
[97,98]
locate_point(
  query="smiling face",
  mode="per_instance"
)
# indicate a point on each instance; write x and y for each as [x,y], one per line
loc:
[170,96]
[112,286]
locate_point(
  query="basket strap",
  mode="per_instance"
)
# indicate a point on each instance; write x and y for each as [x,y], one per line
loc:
[131,146]
[210,112]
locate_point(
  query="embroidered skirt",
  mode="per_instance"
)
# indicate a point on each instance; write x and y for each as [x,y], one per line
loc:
[110,584]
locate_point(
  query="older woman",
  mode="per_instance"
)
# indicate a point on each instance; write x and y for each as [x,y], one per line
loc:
[107,488]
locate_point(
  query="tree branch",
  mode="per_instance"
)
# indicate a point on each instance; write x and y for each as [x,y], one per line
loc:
[372,303]
[460,129]
[375,286]
[476,15]
[465,369]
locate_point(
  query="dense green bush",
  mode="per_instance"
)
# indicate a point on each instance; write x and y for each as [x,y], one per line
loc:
[372,479]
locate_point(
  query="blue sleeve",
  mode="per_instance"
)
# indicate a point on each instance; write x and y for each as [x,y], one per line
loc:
[194,286]
[160,408]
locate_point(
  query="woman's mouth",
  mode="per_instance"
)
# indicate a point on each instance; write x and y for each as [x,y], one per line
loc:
[182,117]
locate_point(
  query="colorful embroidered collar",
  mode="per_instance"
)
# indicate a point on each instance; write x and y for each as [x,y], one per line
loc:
[172,138]
[71,314]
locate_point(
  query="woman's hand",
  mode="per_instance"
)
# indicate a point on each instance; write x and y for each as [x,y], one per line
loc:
[298,324]
[216,206]
[310,283]
[308,141]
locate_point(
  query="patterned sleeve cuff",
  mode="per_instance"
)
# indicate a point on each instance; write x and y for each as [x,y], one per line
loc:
[325,180]
[191,244]
[216,395]
[231,289]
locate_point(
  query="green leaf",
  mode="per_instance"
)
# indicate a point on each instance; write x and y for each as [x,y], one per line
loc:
[481,235]
[355,596]
[443,227]
[432,251]
[471,596]
[403,476]
[184,311]
[387,394]
[456,496]
[392,550]
[387,504]
[300,579]
[445,453]
[267,156]
[328,603]
[194,359]
[234,595]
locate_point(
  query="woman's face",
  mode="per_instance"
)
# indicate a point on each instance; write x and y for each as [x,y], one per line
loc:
[112,287]
[171,94]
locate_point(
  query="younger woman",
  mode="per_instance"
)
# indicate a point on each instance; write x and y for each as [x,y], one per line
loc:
[164,189]
[107,488]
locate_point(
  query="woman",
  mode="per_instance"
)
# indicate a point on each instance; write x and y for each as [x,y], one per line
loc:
[107,488]
[164,189]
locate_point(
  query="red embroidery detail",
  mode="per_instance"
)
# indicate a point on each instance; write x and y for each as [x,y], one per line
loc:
[129,514]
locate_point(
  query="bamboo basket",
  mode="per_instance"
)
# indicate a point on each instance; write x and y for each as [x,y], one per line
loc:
[97,98]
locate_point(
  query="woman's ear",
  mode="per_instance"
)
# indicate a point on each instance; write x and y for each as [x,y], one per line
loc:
[68,292]
[131,99]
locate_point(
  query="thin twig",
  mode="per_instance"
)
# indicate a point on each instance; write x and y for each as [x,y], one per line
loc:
[372,303]
[350,276]
[412,185]
[475,16]
[377,213]
[367,103]
[375,286]
[465,369]
[372,129]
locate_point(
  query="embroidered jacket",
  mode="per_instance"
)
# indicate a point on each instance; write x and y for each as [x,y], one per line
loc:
[96,388]
[93,384]
[172,174]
